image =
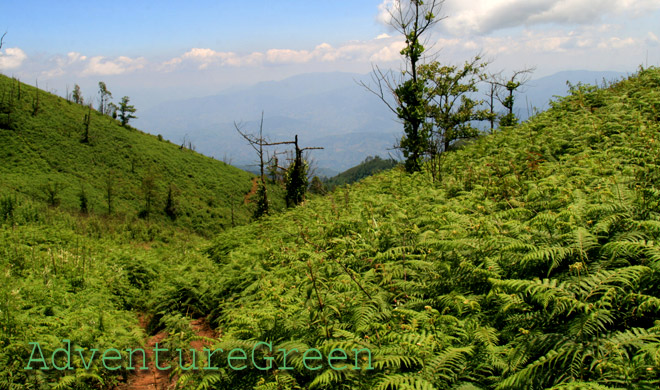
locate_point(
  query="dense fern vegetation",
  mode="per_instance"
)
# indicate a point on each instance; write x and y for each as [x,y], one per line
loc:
[530,262]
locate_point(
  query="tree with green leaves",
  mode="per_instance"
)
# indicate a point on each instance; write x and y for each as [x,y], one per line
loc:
[77,95]
[296,178]
[112,110]
[86,123]
[149,190]
[104,98]
[450,105]
[126,111]
[506,95]
[170,204]
[413,19]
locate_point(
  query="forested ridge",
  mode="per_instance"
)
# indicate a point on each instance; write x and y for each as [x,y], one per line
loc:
[529,260]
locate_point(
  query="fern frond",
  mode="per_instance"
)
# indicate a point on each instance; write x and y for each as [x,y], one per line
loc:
[404,382]
[532,373]
[448,363]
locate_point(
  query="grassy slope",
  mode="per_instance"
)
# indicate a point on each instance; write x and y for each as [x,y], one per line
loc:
[46,151]
[532,264]
[83,278]
[64,275]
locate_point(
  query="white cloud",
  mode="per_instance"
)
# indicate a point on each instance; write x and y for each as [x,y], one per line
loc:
[384,8]
[486,16]
[391,52]
[75,57]
[279,56]
[652,39]
[12,58]
[616,43]
[99,65]
[554,41]
[64,63]
[204,58]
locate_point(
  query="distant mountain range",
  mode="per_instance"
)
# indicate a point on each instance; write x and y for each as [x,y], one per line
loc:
[329,110]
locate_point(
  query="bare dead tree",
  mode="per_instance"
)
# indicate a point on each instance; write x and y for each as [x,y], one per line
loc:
[274,166]
[296,186]
[491,94]
[2,39]
[257,143]
[294,190]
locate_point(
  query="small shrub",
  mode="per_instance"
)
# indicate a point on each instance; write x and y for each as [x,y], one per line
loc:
[84,202]
[52,191]
[7,207]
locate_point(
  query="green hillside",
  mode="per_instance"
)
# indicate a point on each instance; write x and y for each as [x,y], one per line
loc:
[368,167]
[44,157]
[87,277]
[532,263]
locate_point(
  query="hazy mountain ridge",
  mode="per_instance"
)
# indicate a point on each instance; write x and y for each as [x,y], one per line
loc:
[325,109]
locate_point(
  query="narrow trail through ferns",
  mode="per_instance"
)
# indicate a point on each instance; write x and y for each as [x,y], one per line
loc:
[156,379]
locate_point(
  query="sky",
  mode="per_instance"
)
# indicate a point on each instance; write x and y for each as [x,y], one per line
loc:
[155,51]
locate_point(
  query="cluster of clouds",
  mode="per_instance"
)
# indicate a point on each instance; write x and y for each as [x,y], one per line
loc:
[381,49]
[480,17]
[91,66]
[15,58]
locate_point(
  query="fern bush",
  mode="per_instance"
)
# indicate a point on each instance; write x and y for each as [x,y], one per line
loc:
[533,264]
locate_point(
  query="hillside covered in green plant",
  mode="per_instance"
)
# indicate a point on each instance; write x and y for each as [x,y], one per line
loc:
[531,263]
[528,261]
[81,251]
[122,172]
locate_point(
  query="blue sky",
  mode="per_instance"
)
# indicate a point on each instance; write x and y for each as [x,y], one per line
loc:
[152,28]
[165,50]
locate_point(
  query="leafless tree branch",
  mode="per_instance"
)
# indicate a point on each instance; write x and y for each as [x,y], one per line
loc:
[384,85]
[521,77]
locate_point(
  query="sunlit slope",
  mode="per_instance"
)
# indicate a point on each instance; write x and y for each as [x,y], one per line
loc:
[42,150]
[531,263]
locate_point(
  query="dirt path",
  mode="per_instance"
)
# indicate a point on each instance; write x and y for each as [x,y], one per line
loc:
[253,190]
[154,379]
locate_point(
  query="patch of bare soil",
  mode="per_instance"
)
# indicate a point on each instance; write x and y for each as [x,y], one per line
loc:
[253,190]
[154,379]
